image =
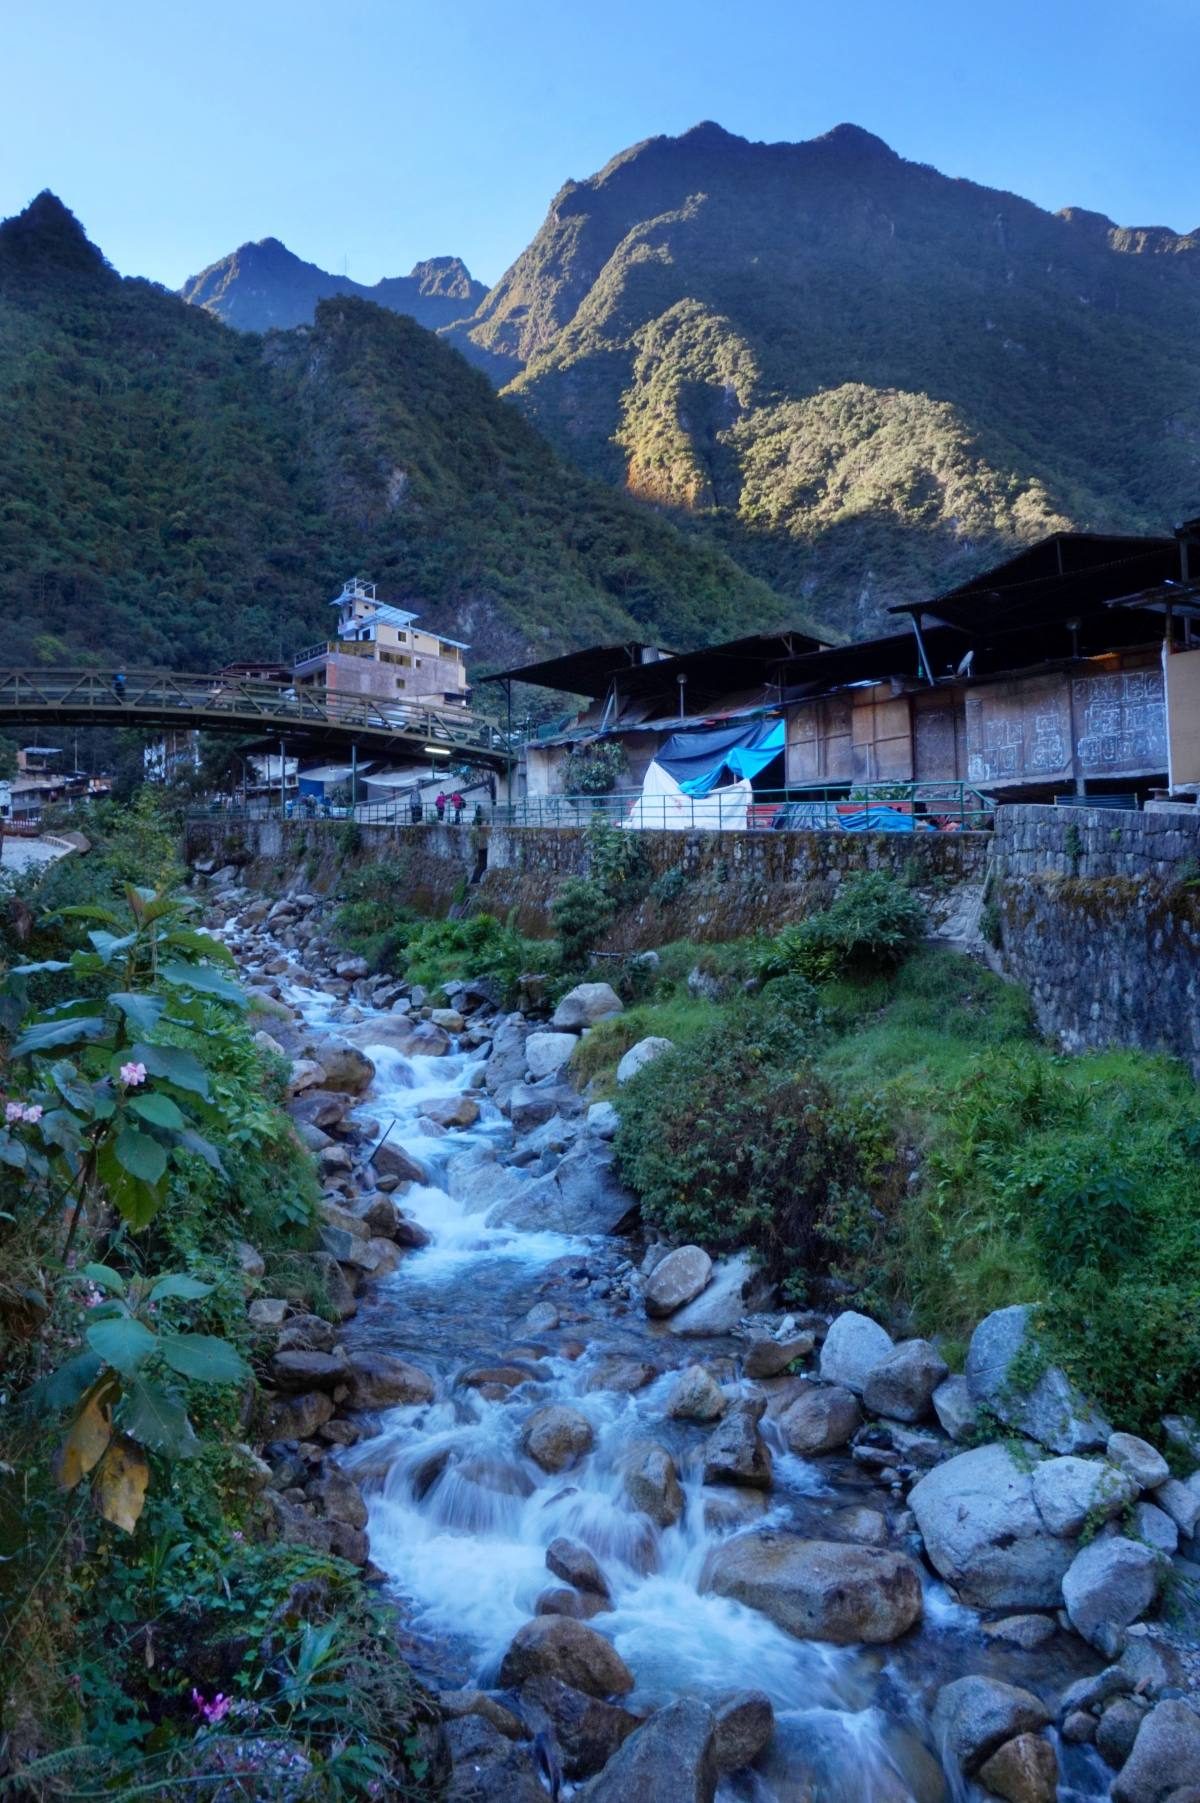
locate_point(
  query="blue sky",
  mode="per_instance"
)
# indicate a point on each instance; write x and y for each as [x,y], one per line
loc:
[368,133]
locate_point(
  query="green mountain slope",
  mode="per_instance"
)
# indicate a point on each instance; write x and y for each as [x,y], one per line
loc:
[173,492]
[264,286]
[864,378]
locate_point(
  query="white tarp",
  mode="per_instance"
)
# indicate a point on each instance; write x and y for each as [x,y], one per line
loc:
[663,804]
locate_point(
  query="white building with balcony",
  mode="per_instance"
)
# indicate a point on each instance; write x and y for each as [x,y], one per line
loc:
[383,653]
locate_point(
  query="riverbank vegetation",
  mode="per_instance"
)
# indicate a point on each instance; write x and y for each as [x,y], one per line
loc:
[155,1636]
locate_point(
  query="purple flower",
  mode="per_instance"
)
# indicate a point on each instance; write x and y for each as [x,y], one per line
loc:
[14,1112]
[133,1074]
[213,1712]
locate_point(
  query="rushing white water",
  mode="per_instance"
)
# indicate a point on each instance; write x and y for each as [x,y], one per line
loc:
[460,1519]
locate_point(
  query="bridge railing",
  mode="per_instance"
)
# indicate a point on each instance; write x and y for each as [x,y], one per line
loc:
[269,704]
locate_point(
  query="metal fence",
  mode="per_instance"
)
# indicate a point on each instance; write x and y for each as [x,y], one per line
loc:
[869,807]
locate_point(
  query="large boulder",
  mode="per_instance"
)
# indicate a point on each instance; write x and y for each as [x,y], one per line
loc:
[822,1418]
[768,1357]
[670,1759]
[1023,1770]
[346,1066]
[975,1715]
[391,1160]
[1071,1491]
[586,1731]
[1108,1585]
[853,1347]
[736,1453]
[556,1436]
[696,1396]
[1165,1757]
[640,1055]
[1049,1408]
[745,1723]
[378,1381]
[303,1370]
[577,1566]
[954,1409]
[1181,1502]
[555,1646]
[676,1280]
[582,1195]
[737,1287]
[487,1766]
[547,1052]
[452,1111]
[902,1384]
[1143,1462]
[652,1482]
[984,1535]
[818,1589]
[534,1105]
[506,1064]
[584,1005]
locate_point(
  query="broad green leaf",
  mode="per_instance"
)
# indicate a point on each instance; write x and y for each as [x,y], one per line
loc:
[63,1388]
[109,944]
[124,1343]
[119,1488]
[178,1283]
[12,1152]
[103,1105]
[45,1035]
[59,1127]
[136,1201]
[143,1012]
[203,1357]
[156,1416]
[171,1062]
[159,1110]
[161,905]
[204,981]
[190,939]
[29,970]
[73,1088]
[104,1277]
[88,911]
[191,1141]
[140,1154]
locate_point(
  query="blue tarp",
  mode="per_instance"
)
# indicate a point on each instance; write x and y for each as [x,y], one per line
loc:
[699,761]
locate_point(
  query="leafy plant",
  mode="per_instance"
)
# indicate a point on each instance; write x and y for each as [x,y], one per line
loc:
[873,924]
[594,769]
[581,911]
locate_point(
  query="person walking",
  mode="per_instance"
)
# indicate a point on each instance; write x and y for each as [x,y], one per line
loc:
[119,684]
[440,805]
[458,804]
[414,807]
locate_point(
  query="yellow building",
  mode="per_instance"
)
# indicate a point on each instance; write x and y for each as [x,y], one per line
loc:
[381,652]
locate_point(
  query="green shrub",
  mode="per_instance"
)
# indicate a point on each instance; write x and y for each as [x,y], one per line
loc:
[582,911]
[872,926]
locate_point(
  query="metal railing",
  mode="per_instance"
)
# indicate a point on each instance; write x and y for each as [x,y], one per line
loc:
[244,703]
[869,807]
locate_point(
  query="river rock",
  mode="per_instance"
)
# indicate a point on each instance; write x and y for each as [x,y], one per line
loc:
[309,1370]
[452,1111]
[737,1287]
[822,1418]
[1181,1502]
[652,1482]
[487,1766]
[696,1396]
[1155,1528]
[533,1105]
[640,1055]
[954,1409]
[346,1066]
[582,1195]
[676,1280]
[338,1290]
[1165,1757]
[586,1731]
[506,1063]
[584,1005]
[339,1498]
[1069,1491]
[297,1417]
[391,1160]
[305,1073]
[383,1216]
[576,1566]
[603,1120]
[670,1758]
[1118,1728]
[557,1436]
[974,1716]
[267,1311]
[853,1347]
[378,1381]
[1025,1631]
[1023,1770]
[1051,1411]
[554,1646]
[745,1723]
[562,1599]
[726,1509]
[1109,1584]
[548,1052]
[984,1535]
[902,1384]
[736,1453]
[818,1589]
[621,1372]
[769,1358]
[1143,1462]
[250,1260]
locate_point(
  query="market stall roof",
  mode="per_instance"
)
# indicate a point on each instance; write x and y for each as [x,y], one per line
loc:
[587,672]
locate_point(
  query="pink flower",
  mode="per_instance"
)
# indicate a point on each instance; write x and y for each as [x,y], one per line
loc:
[92,1296]
[237,1535]
[13,1112]
[132,1075]
[33,1115]
[213,1712]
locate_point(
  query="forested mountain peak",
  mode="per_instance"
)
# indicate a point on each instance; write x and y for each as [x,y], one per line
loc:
[47,235]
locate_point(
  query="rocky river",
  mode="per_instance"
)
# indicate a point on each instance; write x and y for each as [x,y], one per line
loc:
[652,1535]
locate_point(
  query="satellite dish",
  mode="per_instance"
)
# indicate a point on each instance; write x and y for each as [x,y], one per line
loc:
[966,664]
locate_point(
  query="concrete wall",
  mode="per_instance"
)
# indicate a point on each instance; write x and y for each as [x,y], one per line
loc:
[1097,911]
